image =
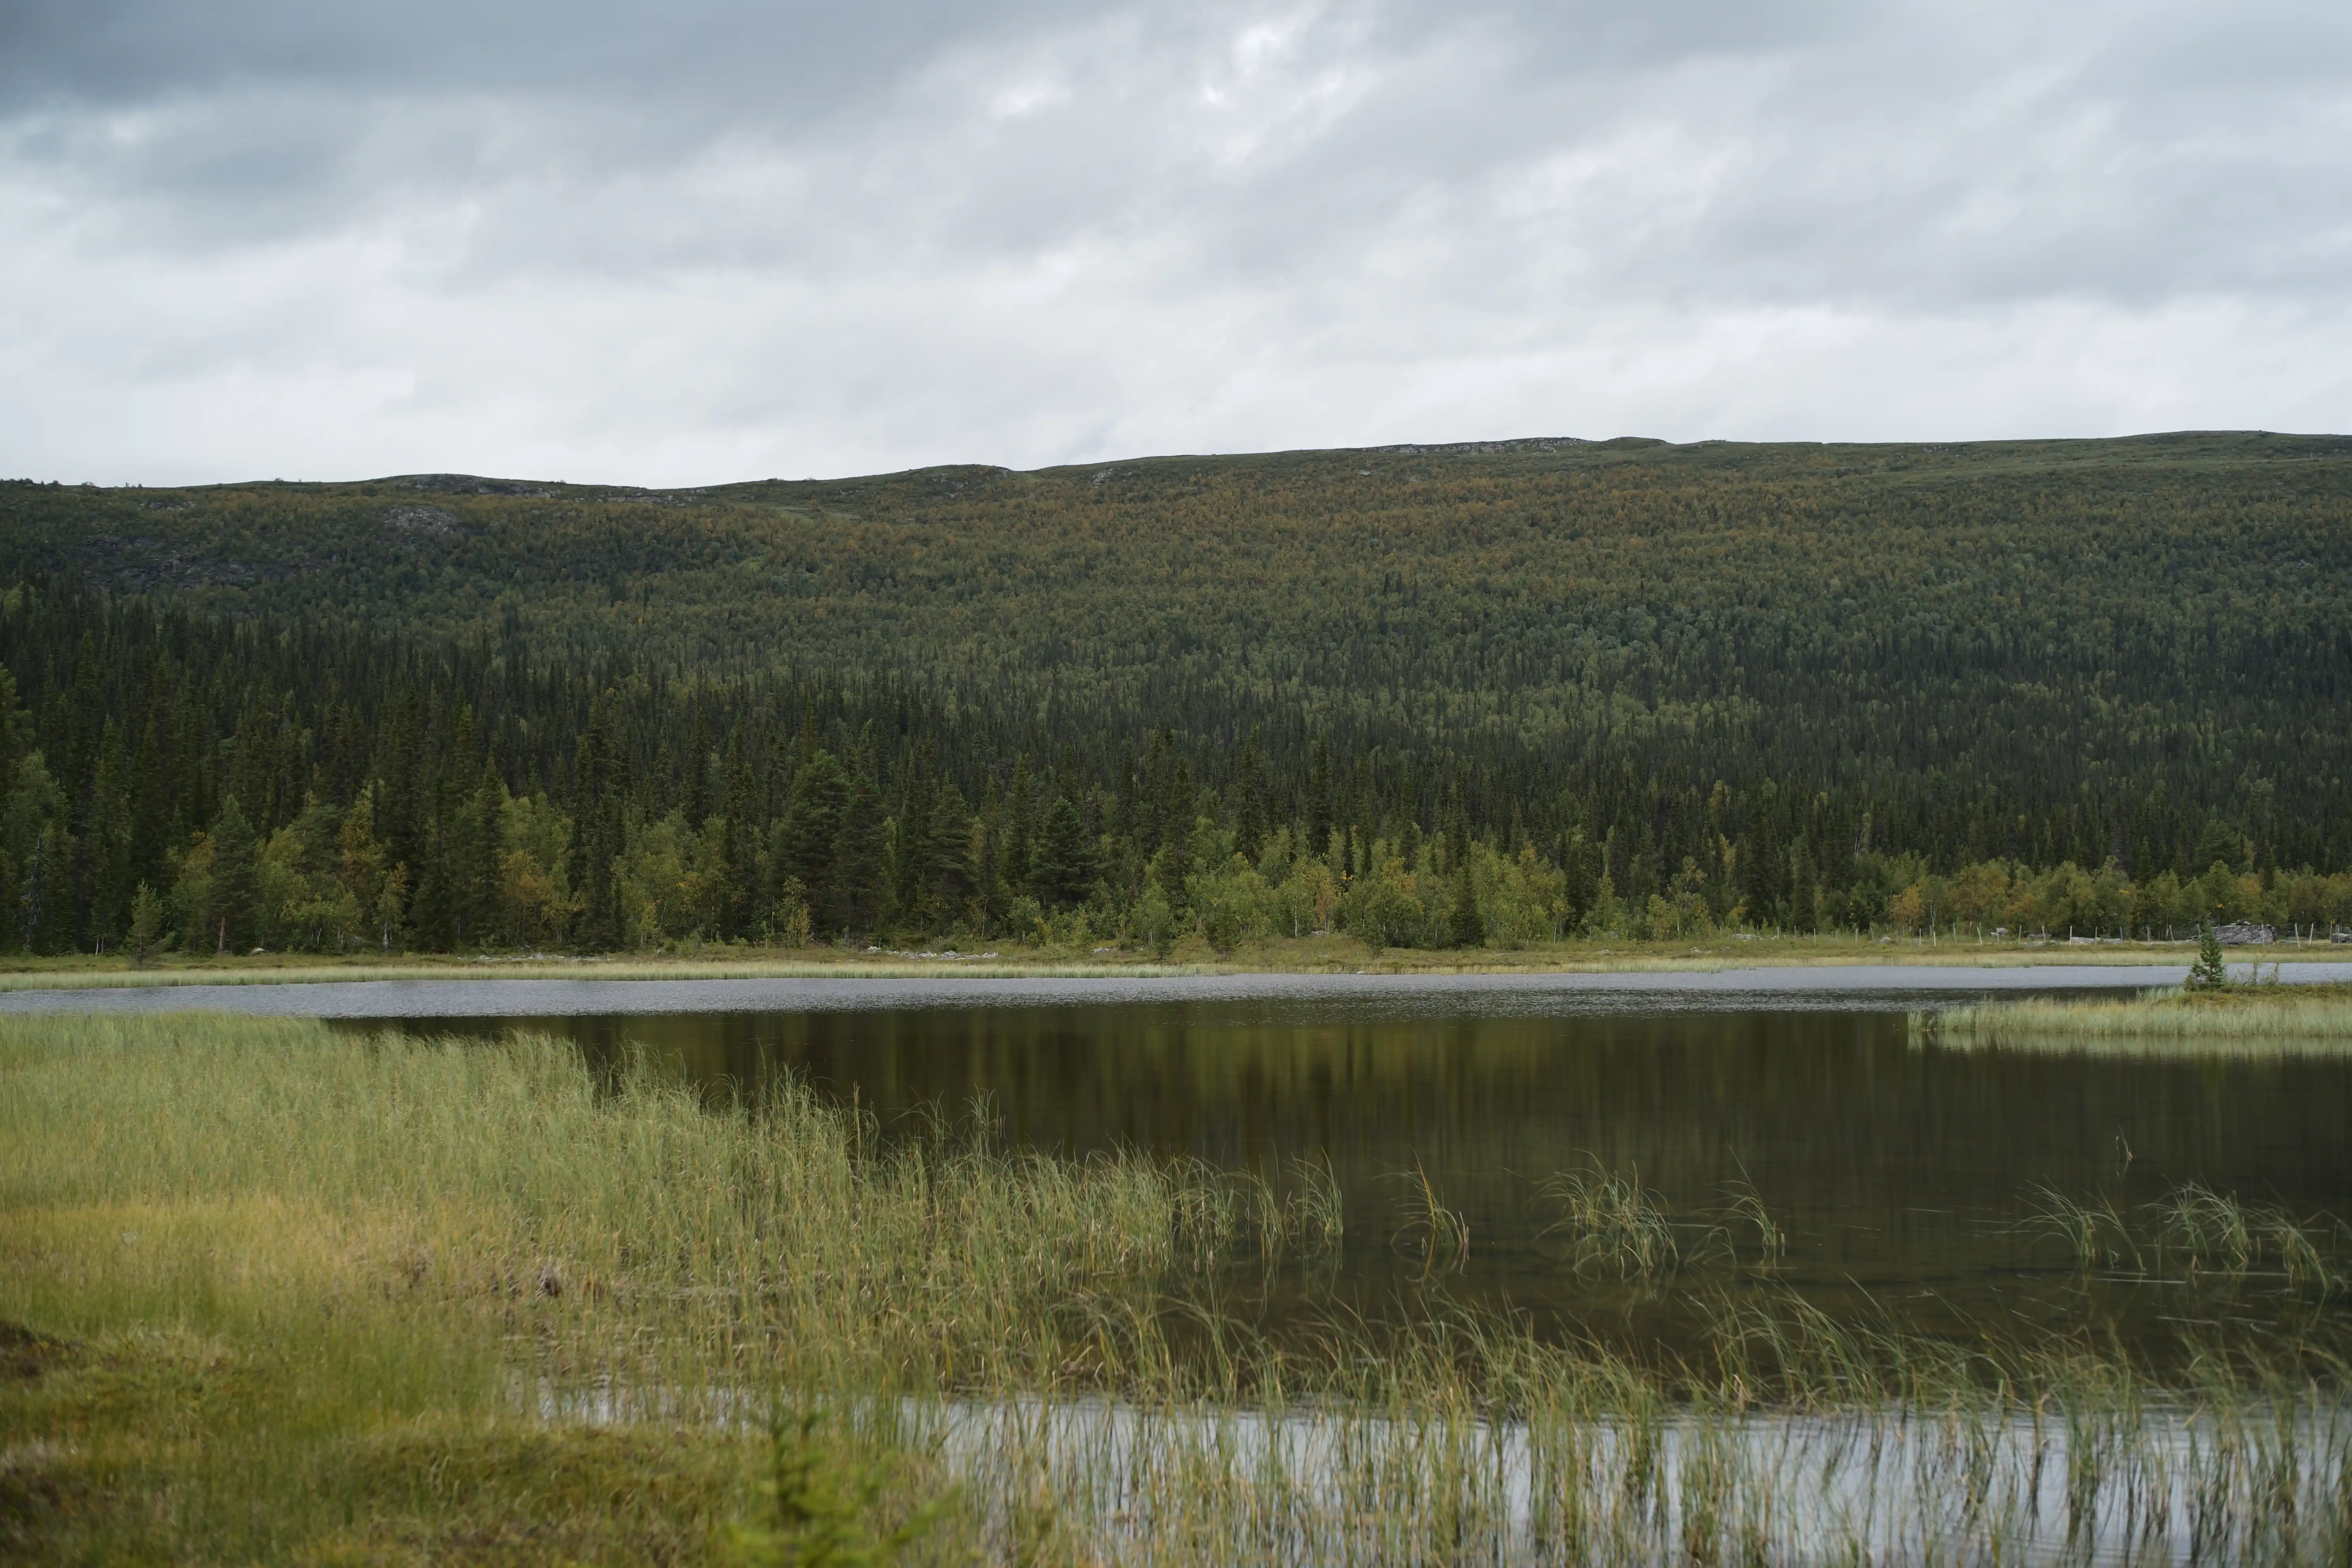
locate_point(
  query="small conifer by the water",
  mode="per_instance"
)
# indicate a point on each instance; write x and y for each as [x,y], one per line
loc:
[2210,973]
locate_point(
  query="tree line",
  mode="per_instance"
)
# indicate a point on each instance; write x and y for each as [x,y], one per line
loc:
[2032,652]
[220,784]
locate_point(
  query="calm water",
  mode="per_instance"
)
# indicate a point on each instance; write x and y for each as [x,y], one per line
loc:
[1903,1174]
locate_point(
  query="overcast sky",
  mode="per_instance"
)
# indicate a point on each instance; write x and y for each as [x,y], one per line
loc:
[698,241]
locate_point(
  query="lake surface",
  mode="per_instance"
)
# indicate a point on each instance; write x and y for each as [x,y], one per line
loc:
[1906,1174]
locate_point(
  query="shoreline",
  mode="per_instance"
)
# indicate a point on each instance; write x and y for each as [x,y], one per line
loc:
[1312,957]
[458,995]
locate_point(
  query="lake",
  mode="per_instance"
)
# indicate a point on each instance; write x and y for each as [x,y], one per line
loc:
[1906,1175]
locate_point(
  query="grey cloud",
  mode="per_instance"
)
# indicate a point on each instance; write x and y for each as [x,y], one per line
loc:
[774,56]
[1010,232]
[1865,151]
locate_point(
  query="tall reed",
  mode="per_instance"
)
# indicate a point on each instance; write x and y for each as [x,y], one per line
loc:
[375,1281]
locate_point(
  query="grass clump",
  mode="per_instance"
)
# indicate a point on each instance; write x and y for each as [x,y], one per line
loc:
[2193,1226]
[2097,1232]
[1438,1235]
[1612,1221]
[2239,1017]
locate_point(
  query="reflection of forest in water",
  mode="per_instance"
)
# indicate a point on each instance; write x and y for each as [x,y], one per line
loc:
[1904,1175]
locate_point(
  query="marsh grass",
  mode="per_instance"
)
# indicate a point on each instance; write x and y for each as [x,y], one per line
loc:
[1609,1224]
[1609,1221]
[1744,1210]
[2221,1231]
[2095,1232]
[355,1232]
[1438,1235]
[287,1294]
[2196,1229]
[2247,1017]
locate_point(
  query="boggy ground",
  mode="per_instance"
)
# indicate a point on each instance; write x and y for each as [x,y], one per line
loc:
[1001,958]
[277,1294]
[163,1446]
[2254,1015]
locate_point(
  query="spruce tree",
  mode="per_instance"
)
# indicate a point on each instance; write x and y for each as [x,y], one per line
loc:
[861,860]
[694,783]
[106,843]
[745,810]
[146,925]
[1466,926]
[234,848]
[2210,971]
[811,838]
[485,868]
[1060,872]
[362,858]
[953,874]
[1249,798]
[596,825]
[1018,863]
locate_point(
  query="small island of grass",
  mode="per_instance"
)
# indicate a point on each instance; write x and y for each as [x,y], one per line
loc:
[2247,1015]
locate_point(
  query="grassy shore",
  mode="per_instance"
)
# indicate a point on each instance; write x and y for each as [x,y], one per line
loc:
[1005,960]
[273,1293]
[2251,1016]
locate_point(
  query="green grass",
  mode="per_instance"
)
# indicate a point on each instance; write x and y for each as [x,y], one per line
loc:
[280,1294]
[1611,1221]
[307,1233]
[2257,1017]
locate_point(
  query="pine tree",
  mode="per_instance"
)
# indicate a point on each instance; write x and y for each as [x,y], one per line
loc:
[106,843]
[2210,971]
[745,811]
[1062,872]
[1322,810]
[1020,804]
[46,899]
[951,881]
[694,782]
[861,858]
[1249,798]
[362,871]
[230,914]
[1155,920]
[154,806]
[597,814]
[912,871]
[1466,928]
[484,867]
[810,836]
[146,925]
[401,783]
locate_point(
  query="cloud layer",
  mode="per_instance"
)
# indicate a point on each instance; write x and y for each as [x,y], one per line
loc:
[695,242]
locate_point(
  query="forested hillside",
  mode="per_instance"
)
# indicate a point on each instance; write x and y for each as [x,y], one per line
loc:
[1491,693]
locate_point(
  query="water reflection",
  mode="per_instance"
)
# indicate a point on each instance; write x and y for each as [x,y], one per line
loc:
[1903,1174]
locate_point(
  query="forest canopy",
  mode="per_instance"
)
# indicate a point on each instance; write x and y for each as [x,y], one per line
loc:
[1492,693]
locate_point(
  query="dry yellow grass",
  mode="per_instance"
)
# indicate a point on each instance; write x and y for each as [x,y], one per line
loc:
[2262,1018]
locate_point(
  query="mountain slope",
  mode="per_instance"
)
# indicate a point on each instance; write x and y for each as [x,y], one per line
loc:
[1967,637]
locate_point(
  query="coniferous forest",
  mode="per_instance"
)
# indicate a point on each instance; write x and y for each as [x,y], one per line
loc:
[1435,696]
